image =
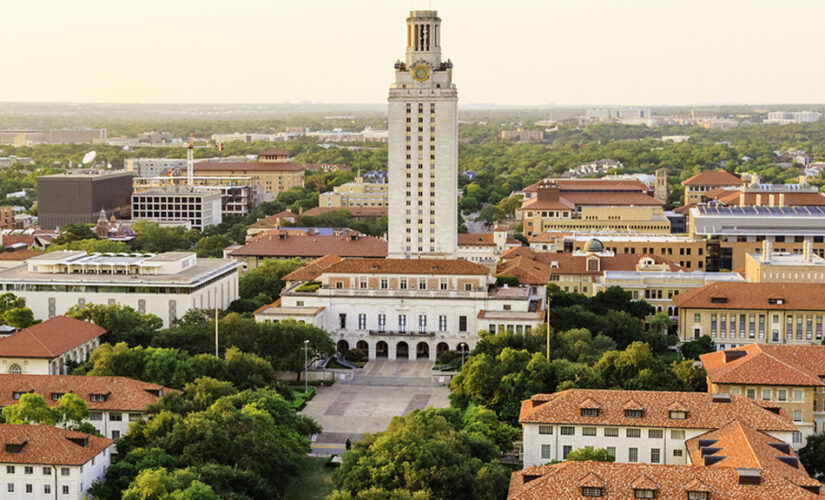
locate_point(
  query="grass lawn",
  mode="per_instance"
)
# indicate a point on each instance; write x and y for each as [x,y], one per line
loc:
[314,483]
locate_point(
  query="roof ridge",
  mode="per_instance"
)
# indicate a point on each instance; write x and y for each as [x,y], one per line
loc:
[33,336]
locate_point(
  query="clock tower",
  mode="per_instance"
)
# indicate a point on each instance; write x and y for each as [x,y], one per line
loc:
[423,147]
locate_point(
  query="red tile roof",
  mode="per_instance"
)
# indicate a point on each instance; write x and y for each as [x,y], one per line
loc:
[611,199]
[50,338]
[355,211]
[312,246]
[247,166]
[313,269]
[594,185]
[728,197]
[764,364]
[746,295]
[713,178]
[274,221]
[26,253]
[703,412]
[124,394]
[481,239]
[409,266]
[564,481]
[273,152]
[47,445]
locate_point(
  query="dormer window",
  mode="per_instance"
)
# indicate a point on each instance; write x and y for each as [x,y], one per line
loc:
[56,395]
[697,495]
[15,447]
[776,301]
[593,264]
[718,300]
[678,415]
[16,395]
[634,413]
[97,398]
[590,412]
[591,491]
[644,493]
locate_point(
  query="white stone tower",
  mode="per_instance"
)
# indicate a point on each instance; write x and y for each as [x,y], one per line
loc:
[423,147]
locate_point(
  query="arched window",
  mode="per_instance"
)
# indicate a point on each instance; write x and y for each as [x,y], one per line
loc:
[15,369]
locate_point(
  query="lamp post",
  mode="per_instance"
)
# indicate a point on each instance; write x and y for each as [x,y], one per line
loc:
[306,366]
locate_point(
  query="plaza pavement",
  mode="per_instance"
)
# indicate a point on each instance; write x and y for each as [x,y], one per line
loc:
[367,402]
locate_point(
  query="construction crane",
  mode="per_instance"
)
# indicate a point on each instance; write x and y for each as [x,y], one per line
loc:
[190,161]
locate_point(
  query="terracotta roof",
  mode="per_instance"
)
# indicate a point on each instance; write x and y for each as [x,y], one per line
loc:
[50,338]
[273,221]
[672,482]
[742,446]
[273,152]
[326,166]
[747,295]
[124,394]
[481,239]
[684,209]
[703,412]
[247,166]
[537,267]
[26,253]
[536,204]
[11,239]
[594,185]
[313,269]
[355,211]
[713,178]
[47,445]
[764,364]
[611,199]
[728,197]
[408,266]
[312,246]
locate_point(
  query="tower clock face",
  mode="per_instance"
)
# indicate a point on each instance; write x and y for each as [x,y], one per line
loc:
[421,73]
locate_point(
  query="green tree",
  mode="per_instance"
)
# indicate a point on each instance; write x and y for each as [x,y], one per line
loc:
[71,410]
[490,214]
[160,484]
[695,348]
[590,453]
[154,238]
[812,455]
[267,278]
[74,232]
[92,245]
[18,317]
[660,323]
[122,323]
[212,246]
[31,409]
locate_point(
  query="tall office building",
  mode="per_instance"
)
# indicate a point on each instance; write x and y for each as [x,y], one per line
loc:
[423,147]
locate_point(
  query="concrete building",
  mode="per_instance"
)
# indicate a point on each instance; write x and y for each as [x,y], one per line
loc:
[178,205]
[522,135]
[733,232]
[485,248]
[683,250]
[788,117]
[737,314]
[635,426]
[79,135]
[699,184]
[771,195]
[592,204]
[41,461]
[789,379]
[22,137]
[355,194]
[781,267]
[423,147]
[153,167]
[47,348]
[79,197]
[113,402]
[167,284]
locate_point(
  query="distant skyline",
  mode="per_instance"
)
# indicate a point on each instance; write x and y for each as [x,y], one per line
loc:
[519,52]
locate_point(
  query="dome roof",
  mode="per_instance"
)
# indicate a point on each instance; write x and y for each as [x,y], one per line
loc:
[593,245]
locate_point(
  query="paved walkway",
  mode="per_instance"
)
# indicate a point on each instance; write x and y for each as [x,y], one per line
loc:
[367,402]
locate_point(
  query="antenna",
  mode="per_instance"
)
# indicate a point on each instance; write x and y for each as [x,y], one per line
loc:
[190,160]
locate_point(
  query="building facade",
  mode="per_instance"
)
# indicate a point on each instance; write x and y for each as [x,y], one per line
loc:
[423,147]
[355,194]
[197,208]
[49,347]
[78,198]
[166,284]
[153,167]
[701,183]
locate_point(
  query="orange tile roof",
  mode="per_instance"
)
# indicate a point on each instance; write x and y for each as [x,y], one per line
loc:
[536,204]
[312,246]
[24,254]
[764,364]
[273,152]
[611,199]
[273,221]
[408,266]
[732,197]
[355,211]
[247,166]
[747,295]
[481,239]
[50,338]
[563,481]
[49,445]
[124,394]
[537,267]
[742,446]
[713,178]
[313,269]
[593,185]
[703,412]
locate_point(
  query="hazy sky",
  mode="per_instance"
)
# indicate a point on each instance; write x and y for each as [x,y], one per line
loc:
[526,52]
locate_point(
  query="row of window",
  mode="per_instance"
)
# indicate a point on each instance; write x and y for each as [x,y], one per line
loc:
[402,322]
[612,432]
[632,453]
[47,488]
[47,471]
[723,324]
[114,416]
[403,284]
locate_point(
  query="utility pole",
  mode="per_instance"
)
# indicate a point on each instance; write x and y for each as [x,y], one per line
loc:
[216,322]
[306,366]
[547,316]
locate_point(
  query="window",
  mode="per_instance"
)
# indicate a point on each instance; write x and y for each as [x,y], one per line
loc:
[115,417]
[677,453]
[422,284]
[97,397]
[64,471]
[402,322]
[11,487]
[65,490]
[339,284]
[655,433]
[342,320]
[797,415]
[640,493]
[462,323]
[634,433]
[403,284]
[588,431]
[382,322]
[384,283]
[362,283]
[442,323]
[592,491]
[545,429]
[797,437]
[750,393]
[9,469]
[28,470]
[565,450]
[697,495]
[735,390]
[633,455]
[766,394]
[590,412]
[442,284]
[362,321]
[611,452]
[655,455]
[422,323]
[29,488]
[546,452]
[678,415]
[677,434]
[611,432]
[468,287]
[633,413]
[782,395]
[47,471]
[47,488]
[568,431]
[797,395]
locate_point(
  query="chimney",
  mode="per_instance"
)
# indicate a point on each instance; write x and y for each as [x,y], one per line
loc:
[781,200]
[770,200]
[548,191]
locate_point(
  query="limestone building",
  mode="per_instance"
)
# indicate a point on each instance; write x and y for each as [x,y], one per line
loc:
[355,194]
[423,147]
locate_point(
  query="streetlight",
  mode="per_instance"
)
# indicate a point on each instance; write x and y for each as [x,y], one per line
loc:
[306,366]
